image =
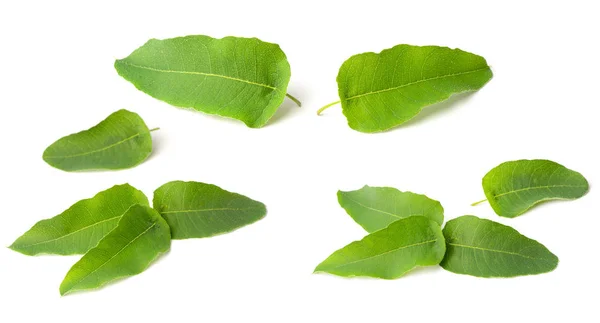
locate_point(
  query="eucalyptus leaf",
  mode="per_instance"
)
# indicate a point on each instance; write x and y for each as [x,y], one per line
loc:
[391,252]
[381,91]
[79,228]
[514,187]
[122,140]
[240,78]
[485,248]
[142,235]
[374,208]
[198,210]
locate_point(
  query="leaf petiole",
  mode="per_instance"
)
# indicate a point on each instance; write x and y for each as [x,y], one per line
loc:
[327,106]
[154,129]
[479,202]
[291,97]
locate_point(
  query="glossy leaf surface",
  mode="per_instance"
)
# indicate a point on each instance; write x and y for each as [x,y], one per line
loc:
[390,252]
[79,228]
[142,234]
[382,91]
[198,210]
[240,78]
[120,141]
[485,248]
[374,208]
[514,187]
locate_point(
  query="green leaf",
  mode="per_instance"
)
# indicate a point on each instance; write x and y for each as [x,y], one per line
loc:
[198,210]
[240,78]
[485,248]
[374,208]
[79,228]
[120,141]
[142,235]
[514,187]
[382,91]
[391,252]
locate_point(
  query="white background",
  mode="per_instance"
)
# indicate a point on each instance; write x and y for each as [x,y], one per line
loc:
[57,77]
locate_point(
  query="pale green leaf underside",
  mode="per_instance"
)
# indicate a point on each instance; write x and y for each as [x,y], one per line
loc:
[374,208]
[240,78]
[390,252]
[484,248]
[142,234]
[80,227]
[382,91]
[514,187]
[122,140]
[198,210]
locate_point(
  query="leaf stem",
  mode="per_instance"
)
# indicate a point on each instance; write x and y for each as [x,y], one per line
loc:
[291,97]
[154,129]
[479,202]
[327,106]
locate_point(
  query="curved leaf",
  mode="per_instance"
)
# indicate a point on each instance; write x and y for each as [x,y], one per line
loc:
[79,228]
[391,252]
[485,248]
[374,208]
[382,91]
[240,78]
[142,234]
[514,187]
[198,210]
[120,141]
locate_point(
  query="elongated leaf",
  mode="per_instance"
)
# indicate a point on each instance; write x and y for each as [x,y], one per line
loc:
[374,208]
[514,187]
[79,228]
[198,210]
[485,248]
[240,78]
[390,252]
[120,141]
[382,91]
[142,234]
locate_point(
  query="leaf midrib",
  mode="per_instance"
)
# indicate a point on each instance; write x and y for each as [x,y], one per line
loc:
[203,74]
[384,253]
[207,210]
[496,250]
[381,211]
[98,150]
[413,83]
[537,187]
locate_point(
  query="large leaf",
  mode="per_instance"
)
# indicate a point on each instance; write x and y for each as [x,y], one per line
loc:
[142,234]
[390,252]
[240,78]
[120,141]
[374,208]
[382,91]
[514,187]
[198,210]
[485,248]
[79,228]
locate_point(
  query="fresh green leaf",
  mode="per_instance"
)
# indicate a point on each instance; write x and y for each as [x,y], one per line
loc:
[240,78]
[79,228]
[382,91]
[120,141]
[142,235]
[374,208]
[514,187]
[390,252]
[485,248]
[198,210]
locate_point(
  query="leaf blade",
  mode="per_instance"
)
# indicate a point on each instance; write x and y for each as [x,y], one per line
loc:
[199,210]
[81,226]
[141,236]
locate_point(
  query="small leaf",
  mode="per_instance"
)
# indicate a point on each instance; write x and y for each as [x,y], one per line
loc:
[198,210]
[485,248]
[514,187]
[79,228]
[142,234]
[381,91]
[391,252]
[374,208]
[120,141]
[240,78]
